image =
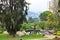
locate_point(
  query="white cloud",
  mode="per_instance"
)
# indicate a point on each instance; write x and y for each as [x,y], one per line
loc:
[38,5]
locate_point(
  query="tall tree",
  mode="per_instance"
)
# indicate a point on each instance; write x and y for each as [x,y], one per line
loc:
[13,14]
[52,21]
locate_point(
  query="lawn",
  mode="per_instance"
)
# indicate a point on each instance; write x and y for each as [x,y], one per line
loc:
[25,37]
[32,36]
[8,37]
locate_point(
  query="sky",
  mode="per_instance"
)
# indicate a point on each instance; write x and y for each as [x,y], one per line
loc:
[38,5]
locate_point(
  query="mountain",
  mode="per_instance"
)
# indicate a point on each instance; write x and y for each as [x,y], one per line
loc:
[35,19]
[32,14]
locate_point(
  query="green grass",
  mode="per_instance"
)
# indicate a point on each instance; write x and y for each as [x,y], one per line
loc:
[8,37]
[32,36]
[25,37]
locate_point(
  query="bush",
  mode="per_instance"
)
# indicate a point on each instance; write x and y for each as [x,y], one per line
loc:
[54,33]
[58,33]
[25,26]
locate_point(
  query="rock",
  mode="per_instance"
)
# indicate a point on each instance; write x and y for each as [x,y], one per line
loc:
[27,33]
[24,32]
[5,32]
[20,33]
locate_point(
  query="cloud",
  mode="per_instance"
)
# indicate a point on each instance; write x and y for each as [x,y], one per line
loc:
[38,5]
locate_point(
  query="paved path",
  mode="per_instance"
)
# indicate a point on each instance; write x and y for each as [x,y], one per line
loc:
[50,36]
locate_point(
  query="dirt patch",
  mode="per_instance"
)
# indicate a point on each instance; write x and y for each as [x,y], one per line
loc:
[57,38]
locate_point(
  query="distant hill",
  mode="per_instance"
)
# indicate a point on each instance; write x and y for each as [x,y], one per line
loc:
[32,14]
[35,19]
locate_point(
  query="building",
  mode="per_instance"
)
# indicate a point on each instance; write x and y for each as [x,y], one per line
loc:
[53,6]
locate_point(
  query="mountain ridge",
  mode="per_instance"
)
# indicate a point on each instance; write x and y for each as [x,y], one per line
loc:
[32,14]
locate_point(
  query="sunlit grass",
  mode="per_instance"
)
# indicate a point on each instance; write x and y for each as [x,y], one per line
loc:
[8,37]
[32,36]
[25,37]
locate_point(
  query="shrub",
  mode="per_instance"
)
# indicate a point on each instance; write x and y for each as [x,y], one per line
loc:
[25,26]
[58,33]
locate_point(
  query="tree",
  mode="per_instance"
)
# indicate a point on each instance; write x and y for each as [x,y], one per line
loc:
[13,14]
[42,24]
[26,26]
[43,15]
[30,19]
[58,17]
[52,21]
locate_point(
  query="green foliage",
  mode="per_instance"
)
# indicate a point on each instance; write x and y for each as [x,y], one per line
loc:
[37,24]
[58,33]
[43,15]
[26,26]
[58,17]
[13,17]
[30,20]
[58,28]
[42,24]
[52,21]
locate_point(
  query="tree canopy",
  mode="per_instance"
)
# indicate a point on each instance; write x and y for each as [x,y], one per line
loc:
[13,14]
[43,15]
